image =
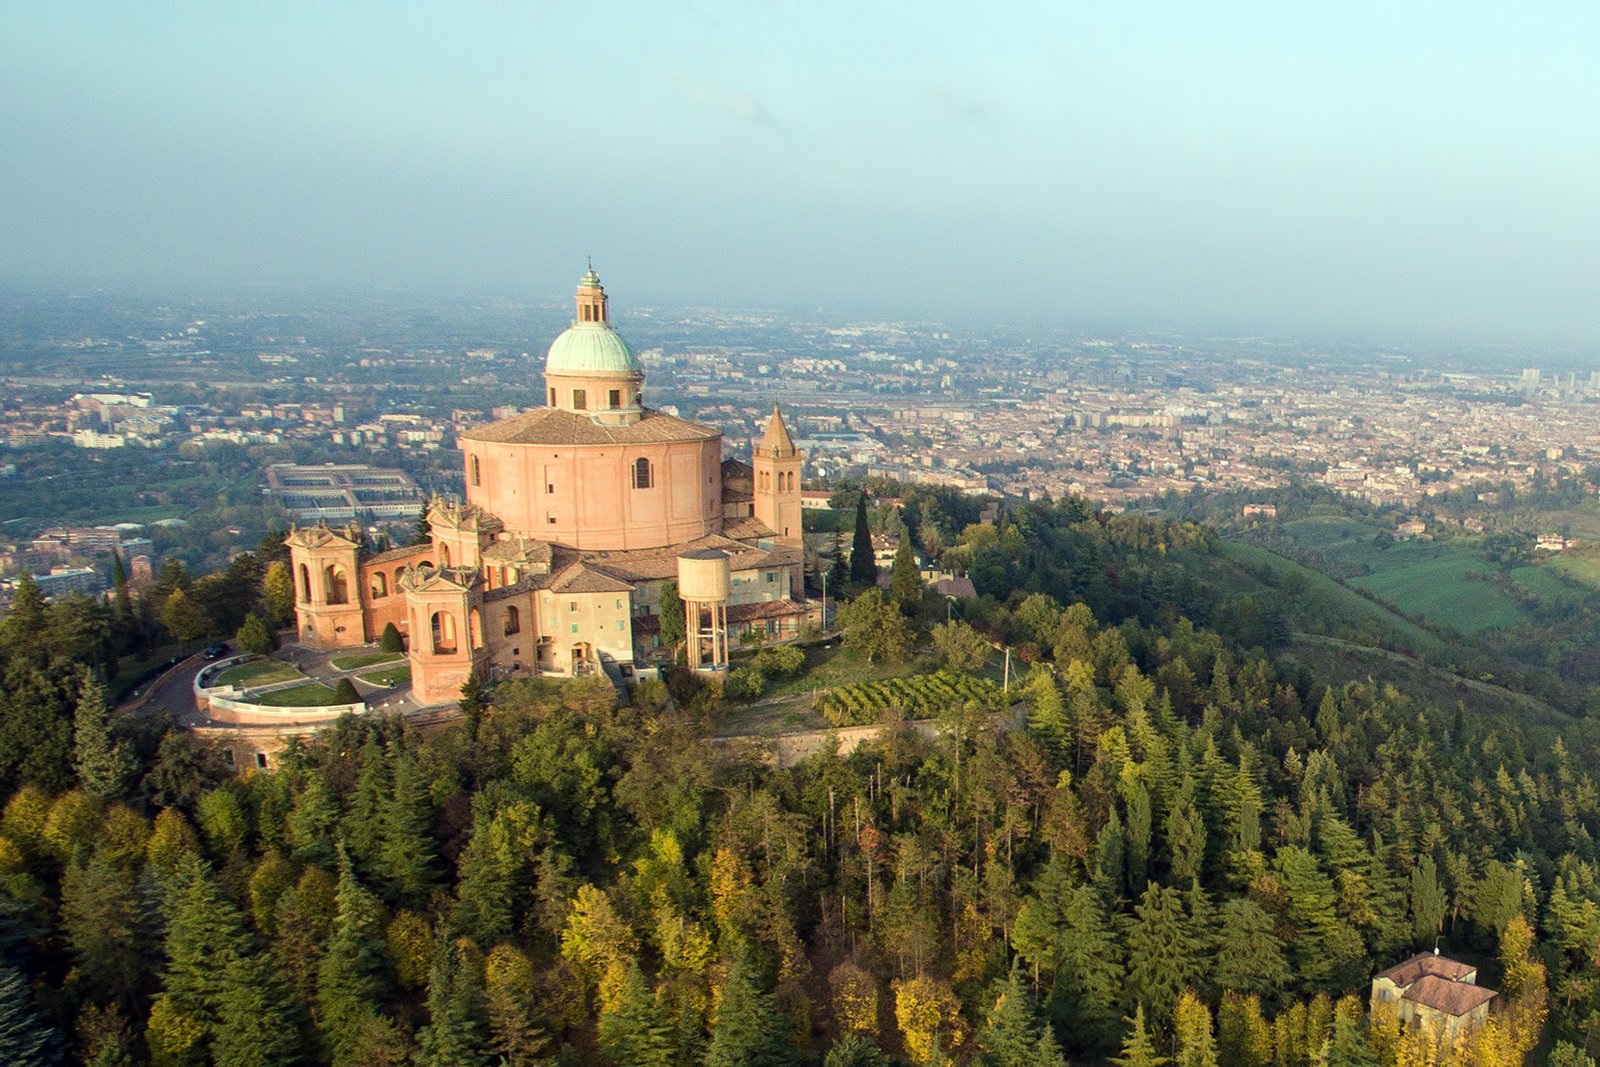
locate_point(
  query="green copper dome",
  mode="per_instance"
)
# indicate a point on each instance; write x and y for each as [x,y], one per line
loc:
[592,348]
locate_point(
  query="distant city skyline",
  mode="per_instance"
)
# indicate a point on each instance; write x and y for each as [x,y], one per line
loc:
[1353,169]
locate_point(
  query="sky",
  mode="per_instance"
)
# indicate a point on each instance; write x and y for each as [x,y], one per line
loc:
[1384,169]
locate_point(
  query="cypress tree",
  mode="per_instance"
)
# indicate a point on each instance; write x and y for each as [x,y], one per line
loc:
[863,565]
[749,1031]
[103,765]
[905,582]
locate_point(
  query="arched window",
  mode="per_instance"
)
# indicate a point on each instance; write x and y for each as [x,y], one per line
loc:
[641,473]
[380,586]
[474,628]
[513,621]
[398,571]
[791,481]
[333,577]
[444,633]
[477,474]
[444,554]
[305,584]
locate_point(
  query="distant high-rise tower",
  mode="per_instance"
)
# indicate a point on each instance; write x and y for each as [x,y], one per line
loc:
[776,463]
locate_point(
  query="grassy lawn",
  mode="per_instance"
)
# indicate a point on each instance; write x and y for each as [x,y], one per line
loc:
[258,672]
[389,676]
[364,659]
[315,695]
[1439,586]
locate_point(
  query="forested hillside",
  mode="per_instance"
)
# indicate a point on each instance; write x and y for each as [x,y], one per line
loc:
[1184,850]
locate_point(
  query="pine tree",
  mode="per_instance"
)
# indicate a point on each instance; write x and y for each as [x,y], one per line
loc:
[1349,1046]
[1162,957]
[363,819]
[256,1025]
[1249,955]
[863,564]
[1139,1049]
[406,854]
[1085,999]
[457,1032]
[1012,1035]
[749,1031]
[905,581]
[1244,1037]
[632,1032]
[206,934]
[350,980]
[1192,1023]
[26,1040]
[514,1038]
[103,765]
[101,917]
[855,1050]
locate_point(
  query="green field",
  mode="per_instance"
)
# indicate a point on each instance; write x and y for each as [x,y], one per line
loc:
[258,672]
[1322,604]
[314,695]
[389,676]
[1582,566]
[364,659]
[1446,587]
[1443,583]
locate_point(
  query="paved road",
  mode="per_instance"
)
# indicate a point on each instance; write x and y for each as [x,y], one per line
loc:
[172,694]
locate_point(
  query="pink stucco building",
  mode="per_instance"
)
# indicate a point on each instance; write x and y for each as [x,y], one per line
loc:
[575,515]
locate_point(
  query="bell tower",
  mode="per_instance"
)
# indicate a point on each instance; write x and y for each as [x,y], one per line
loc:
[777,464]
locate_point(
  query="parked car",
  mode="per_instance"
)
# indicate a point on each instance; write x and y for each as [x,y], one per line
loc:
[217,651]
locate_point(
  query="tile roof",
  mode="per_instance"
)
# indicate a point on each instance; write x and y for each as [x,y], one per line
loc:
[1441,994]
[581,578]
[1403,974]
[406,552]
[746,528]
[654,564]
[555,426]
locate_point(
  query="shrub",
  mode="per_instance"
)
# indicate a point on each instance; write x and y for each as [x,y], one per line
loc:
[391,641]
[745,683]
[784,661]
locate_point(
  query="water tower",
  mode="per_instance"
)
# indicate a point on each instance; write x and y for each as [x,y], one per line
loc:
[703,585]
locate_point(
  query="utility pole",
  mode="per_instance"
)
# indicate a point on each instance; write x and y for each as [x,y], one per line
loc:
[824,601]
[1006,686]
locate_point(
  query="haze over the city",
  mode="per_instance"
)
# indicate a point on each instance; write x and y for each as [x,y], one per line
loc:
[1356,168]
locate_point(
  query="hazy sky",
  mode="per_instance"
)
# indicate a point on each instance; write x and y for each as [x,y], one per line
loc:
[1394,168]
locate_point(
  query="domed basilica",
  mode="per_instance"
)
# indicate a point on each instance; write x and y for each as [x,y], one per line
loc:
[576,513]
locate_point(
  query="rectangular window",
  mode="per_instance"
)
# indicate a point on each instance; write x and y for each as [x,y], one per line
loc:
[619,624]
[261,760]
[552,520]
[574,627]
[552,396]
[549,487]
[616,398]
[771,577]
[572,606]
[580,400]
